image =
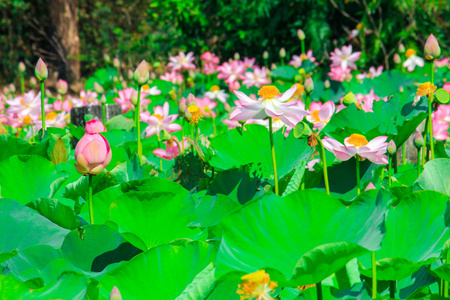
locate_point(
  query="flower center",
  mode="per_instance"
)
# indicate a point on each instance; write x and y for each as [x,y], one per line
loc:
[426,89]
[268,92]
[303,57]
[215,88]
[145,87]
[51,116]
[315,116]
[160,118]
[196,113]
[410,52]
[357,140]
[27,120]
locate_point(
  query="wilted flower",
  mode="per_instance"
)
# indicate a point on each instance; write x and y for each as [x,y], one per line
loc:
[357,144]
[92,154]
[257,286]
[412,60]
[426,89]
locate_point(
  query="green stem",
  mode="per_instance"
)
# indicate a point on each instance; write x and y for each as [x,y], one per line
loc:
[430,109]
[42,109]
[307,102]
[358,188]
[424,149]
[22,83]
[160,159]
[418,162]
[137,120]
[91,209]
[303,46]
[392,287]
[104,114]
[214,125]
[324,162]
[390,170]
[273,156]
[403,154]
[319,290]
[374,276]
[382,174]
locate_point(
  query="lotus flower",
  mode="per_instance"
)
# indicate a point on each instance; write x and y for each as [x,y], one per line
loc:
[92,154]
[216,93]
[297,60]
[320,114]
[357,144]
[256,78]
[413,60]
[182,61]
[344,58]
[160,120]
[256,285]
[171,151]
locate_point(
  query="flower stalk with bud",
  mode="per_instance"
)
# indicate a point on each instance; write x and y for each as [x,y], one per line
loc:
[141,77]
[22,69]
[41,73]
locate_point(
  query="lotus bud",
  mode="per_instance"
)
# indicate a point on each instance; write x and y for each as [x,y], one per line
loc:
[401,89]
[5,90]
[61,87]
[309,85]
[41,70]
[265,55]
[391,148]
[12,88]
[182,106]
[48,93]
[134,97]
[98,88]
[115,294]
[94,126]
[432,49]
[418,140]
[130,74]
[302,130]
[33,82]
[301,35]
[59,148]
[397,59]
[116,62]
[273,66]
[115,79]
[141,75]
[152,75]
[191,100]
[349,99]
[106,58]
[234,86]
[282,53]
[227,107]
[92,154]
[327,84]
[401,48]
[124,84]
[173,94]
[237,56]
[103,99]
[22,67]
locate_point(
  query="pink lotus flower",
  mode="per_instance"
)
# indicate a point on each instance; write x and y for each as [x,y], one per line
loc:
[149,91]
[271,104]
[92,154]
[373,72]
[311,163]
[53,119]
[182,61]
[27,105]
[357,144]
[89,98]
[446,87]
[160,120]
[249,62]
[217,93]
[344,58]
[413,60]
[59,105]
[206,106]
[441,119]
[256,78]
[94,126]
[231,72]
[232,124]
[442,63]
[124,99]
[277,124]
[172,76]
[320,114]
[339,74]
[172,149]
[208,57]
[297,60]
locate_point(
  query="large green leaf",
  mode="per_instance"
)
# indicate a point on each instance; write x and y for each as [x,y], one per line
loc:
[237,148]
[27,177]
[164,272]
[395,118]
[150,219]
[211,209]
[416,230]
[101,202]
[56,212]
[302,238]
[11,146]
[436,176]
[22,227]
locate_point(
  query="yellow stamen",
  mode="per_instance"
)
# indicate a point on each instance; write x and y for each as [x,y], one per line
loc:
[27,120]
[303,57]
[359,26]
[196,113]
[426,89]
[299,91]
[357,140]
[256,285]
[215,88]
[51,116]
[145,87]
[160,118]
[22,102]
[315,116]
[268,92]
[410,52]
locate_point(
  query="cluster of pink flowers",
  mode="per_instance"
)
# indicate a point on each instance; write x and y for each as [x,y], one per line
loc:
[178,63]
[210,62]
[343,61]
[297,60]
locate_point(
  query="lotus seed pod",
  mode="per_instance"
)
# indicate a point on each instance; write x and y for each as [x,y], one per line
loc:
[397,59]
[164,136]
[391,148]
[349,99]
[115,294]
[59,148]
[265,55]
[41,70]
[309,85]
[141,75]
[301,35]
[302,130]
[432,49]
[62,87]
[98,88]
[418,140]
[282,53]
[22,67]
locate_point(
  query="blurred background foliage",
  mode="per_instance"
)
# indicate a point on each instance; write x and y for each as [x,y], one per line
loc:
[136,29]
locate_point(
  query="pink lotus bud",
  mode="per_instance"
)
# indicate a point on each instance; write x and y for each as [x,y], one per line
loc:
[115,79]
[115,294]
[191,100]
[432,49]
[141,75]
[207,56]
[92,154]
[106,58]
[418,140]
[41,70]
[57,105]
[98,88]
[234,86]
[391,148]
[401,48]
[446,87]
[61,87]
[5,90]
[116,62]
[130,74]
[309,85]
[397,59]
[12,88]
[227,107]
[152,76]
[134,97]
[370,186]
[182,106]
[22,67]
[94,126]
[103,99]
[33,82]
[282,53]
[301,35]
[265,55]
[401,89]
[237,56]
[327,84]
[215,60]
[273,66]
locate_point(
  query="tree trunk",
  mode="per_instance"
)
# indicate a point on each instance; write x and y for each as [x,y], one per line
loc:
[64,18]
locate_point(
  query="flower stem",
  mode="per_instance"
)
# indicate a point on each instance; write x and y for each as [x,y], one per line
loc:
[273,156]
[307,102]
[22,83]
[324,162]
[392,286]
[403,155]
[214,125]
[160,159]
[358,189]
[104,114]
[390,170]
[319,290]
[42,109]
[419,163]
[374,276]
[91,209]
[138,123]
[430,109]
[302,42]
